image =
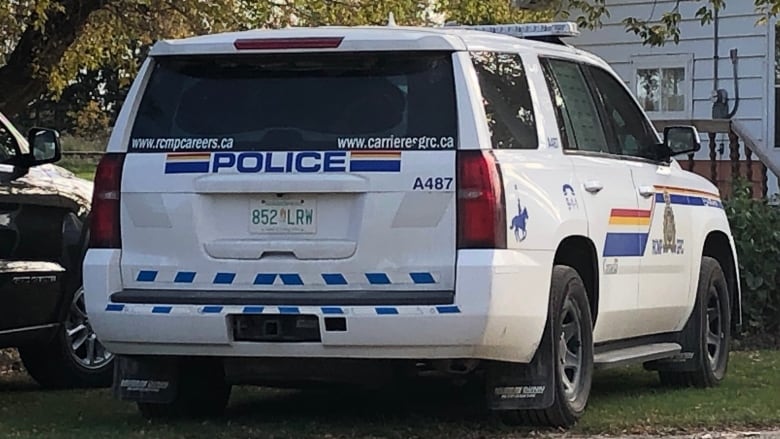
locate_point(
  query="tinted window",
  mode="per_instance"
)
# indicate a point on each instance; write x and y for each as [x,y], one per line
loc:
[576,103]
[561,113]
[633,134]
[390,100]
[507,100]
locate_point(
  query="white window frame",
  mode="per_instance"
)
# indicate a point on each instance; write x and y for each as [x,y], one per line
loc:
[672,61]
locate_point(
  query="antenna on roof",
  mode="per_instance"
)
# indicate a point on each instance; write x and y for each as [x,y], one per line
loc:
[391,20]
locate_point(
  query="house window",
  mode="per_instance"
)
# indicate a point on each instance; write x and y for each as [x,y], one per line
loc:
[663,85]
[661,90]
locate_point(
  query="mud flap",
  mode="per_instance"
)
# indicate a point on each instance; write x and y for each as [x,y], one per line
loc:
[146,379]
[687,360]
[515,386]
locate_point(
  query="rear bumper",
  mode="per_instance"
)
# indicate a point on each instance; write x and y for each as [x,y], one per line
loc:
[499,312]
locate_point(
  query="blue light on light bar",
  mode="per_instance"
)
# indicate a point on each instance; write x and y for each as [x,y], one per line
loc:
[528,30]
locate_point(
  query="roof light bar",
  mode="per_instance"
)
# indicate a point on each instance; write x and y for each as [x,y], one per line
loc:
[529,30]
[287,43]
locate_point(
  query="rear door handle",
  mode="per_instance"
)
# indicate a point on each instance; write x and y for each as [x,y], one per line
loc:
[646,191]
[593,186]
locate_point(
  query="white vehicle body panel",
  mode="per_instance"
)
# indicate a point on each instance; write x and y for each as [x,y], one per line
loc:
[191,232]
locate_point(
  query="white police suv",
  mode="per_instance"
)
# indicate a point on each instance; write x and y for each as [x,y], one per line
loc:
[346,204]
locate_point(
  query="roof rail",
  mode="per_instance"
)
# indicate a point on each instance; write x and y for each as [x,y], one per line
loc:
[549,32]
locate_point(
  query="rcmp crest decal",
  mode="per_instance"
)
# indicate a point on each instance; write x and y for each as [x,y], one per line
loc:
[670,230]
[669,244]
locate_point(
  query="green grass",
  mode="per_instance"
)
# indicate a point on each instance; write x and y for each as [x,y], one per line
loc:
[73,143]
[623,401]
[82,168]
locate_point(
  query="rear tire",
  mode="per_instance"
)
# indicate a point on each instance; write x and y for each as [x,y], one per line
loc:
[573,356]
[202,392]
[74,358]
[711,319]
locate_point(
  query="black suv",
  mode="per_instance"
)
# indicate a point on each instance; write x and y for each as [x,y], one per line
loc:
[43,233]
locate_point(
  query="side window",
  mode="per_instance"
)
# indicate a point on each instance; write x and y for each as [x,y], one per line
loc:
[7,144]
[634,135]
[507,100]
[561,113]
[574,100]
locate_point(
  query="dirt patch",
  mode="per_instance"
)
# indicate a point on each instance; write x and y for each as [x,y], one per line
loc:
[10,362]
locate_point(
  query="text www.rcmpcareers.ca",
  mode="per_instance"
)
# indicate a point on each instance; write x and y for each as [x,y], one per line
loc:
[187,143]
[349,143]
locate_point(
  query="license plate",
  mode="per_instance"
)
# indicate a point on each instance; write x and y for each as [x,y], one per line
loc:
[283,215]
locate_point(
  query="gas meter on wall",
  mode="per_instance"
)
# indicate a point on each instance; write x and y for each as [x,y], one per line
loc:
[531,4]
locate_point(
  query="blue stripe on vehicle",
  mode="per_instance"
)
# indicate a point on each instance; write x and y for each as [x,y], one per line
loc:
[146,276]
[184,277]
[625,244]
[224,278]
[265,279]
[696,201]
[681,200]
[422,278]
[451,309]
[332,310]
[291,279]
[253,309]
[115,307]
[689,200]
[187,168]
[378,279]
[211,309]
[162,309]
[386,311]
[375,165]
[289,310]
[334,279]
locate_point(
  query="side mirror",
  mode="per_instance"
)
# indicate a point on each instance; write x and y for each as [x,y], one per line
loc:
[679,140]
[44,146]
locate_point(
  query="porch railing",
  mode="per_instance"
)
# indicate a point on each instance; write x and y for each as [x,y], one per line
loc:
[740,163]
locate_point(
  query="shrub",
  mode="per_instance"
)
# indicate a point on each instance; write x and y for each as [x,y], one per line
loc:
[755,225]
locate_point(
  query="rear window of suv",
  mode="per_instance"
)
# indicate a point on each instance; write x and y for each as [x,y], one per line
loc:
[386,100]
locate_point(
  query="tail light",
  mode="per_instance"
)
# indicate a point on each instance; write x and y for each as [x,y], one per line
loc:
[481,212]
[104,225]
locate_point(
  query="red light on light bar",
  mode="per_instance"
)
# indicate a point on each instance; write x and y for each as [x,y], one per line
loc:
[288,43]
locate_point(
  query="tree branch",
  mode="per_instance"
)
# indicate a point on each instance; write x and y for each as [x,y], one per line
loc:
[39,50]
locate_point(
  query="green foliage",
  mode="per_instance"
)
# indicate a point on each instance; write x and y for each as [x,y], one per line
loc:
[90,121]
[658,32]
[473,12]
[754,224]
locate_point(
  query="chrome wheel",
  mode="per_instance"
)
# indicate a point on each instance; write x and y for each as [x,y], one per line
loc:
[715,337]
[82,341]
[570,355]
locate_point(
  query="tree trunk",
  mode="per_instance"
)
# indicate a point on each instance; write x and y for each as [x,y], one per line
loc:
[24,77]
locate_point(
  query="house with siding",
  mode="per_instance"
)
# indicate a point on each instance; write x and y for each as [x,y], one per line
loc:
[677,82]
